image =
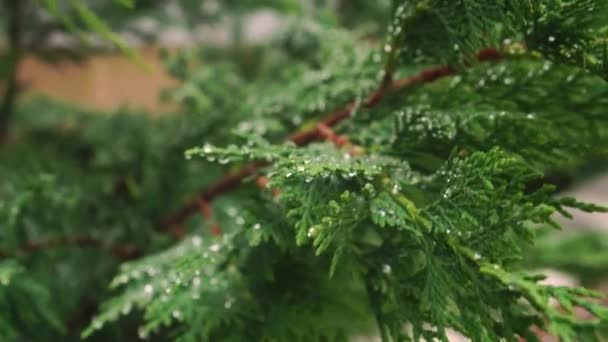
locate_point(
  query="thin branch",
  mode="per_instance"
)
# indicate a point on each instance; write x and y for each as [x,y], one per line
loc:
[232,181]
[15,9]
[121,252]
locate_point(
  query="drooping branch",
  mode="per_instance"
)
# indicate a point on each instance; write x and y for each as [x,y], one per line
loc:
[301,138]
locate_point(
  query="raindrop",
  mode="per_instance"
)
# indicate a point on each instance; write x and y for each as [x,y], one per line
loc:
[396,189]
[551,39]
[256,226]
[196,281]
[570,78]
[148,289]
[97,324]
[228,303]
[311,231]
[126,309]
[231,211]
[447,193]
[387,269]
[176,314]
[197,241]
[142,333]
[207,148]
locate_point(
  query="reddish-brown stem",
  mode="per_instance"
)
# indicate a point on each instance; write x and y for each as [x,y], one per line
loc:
[262,183]
[121,252]
[207,212]
[205,208]
[233,180]
[226,184]
[326,133]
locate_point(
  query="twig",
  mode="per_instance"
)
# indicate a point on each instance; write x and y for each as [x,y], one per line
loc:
[233,180]
[14,29]
[121,252]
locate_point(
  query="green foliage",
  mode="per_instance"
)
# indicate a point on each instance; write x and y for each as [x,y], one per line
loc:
[24,301]
[423,222]
[569,31]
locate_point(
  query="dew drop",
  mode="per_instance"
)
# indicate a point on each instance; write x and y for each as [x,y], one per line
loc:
[148,289]
[126,309]
[197,241]
[196,282]
[228,303]
[97,324]
[396,189]
[207,148]
[142,333]
[311,232]
[387,269]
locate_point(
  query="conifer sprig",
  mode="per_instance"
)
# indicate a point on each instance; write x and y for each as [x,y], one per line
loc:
[231,181]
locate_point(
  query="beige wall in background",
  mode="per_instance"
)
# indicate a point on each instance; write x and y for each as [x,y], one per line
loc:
[104,82]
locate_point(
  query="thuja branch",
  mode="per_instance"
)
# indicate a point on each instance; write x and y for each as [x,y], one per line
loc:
[173,222]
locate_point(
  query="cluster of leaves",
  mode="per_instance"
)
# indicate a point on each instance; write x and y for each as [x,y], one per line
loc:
[64,183]
[568,31]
